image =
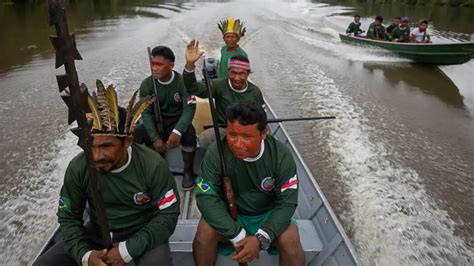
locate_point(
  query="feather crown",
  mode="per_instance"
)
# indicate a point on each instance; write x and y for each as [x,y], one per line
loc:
[232,26]
[108,118]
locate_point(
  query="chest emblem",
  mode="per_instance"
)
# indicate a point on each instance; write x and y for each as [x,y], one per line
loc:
[268,183]
[141,198]
[177,97]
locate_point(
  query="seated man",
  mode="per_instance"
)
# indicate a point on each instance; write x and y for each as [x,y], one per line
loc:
[177,110]
[226,91]
[402,32]
[421,34]
[139,193]
[263,175]
[395,24]
[232,30]
[376,30]
[354,27]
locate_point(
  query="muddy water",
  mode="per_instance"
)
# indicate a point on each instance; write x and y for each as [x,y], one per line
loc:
[396,164]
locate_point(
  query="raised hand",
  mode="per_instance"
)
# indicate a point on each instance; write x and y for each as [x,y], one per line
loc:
[192,54]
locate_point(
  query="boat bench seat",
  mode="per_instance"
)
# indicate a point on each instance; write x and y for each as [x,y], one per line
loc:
[182,239]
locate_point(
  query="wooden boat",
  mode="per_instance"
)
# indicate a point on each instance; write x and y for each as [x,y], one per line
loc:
[425,53]
[323,238]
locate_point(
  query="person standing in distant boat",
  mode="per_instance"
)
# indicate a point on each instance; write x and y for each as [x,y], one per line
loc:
[232,30]
[402,32]
[421,34]
[376,30]
[354,27]
[395,24]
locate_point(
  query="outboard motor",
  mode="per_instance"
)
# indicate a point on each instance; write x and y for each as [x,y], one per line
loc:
[211,64]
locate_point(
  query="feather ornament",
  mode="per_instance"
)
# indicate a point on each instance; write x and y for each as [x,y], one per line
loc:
[138,110]
[94,114]
[103,107]
[112,104]
[129,111]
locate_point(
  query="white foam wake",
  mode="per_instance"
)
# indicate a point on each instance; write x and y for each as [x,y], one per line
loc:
[394,220]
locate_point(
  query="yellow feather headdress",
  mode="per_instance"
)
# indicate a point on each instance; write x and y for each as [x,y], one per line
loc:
[106,114]
[232,26]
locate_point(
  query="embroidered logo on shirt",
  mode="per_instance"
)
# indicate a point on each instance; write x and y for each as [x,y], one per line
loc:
[64,204]
[168,199]
[291,183]
[192,99]
[268,183]
[141,198]
[177,97]
[203,187]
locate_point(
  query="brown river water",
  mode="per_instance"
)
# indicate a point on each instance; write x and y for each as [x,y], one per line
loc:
[396,165]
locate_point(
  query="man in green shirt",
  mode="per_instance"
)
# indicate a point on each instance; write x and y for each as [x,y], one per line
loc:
[177,109]
[354,27]
[391,27]
[232,30]
[138,190]
[265,185]
[376,30]
[226,91]
[402,32]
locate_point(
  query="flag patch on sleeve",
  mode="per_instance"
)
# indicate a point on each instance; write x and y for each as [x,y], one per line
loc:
[202,187]
[168,199]
[291,183]
[192,99]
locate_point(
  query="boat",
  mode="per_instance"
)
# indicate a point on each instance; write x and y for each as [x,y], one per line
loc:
[424,53]
[322,235]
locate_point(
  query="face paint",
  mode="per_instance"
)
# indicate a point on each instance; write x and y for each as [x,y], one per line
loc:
[244,141]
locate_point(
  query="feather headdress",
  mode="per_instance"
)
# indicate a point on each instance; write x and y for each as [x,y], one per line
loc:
[106,115]
[232,26]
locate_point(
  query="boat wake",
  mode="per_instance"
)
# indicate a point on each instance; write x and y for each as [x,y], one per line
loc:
[393,220]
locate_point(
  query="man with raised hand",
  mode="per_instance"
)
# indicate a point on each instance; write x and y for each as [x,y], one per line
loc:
[226,91]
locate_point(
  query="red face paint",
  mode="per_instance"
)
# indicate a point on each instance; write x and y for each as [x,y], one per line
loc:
[244,141]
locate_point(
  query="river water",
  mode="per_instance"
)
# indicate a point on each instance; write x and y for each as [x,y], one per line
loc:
[396,164]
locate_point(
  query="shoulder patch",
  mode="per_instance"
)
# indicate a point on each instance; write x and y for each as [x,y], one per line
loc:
[291,183]
[202,187]
[64,204]
[166,200]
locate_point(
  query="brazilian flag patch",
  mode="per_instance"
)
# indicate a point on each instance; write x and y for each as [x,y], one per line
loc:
[203,187]
[64,204]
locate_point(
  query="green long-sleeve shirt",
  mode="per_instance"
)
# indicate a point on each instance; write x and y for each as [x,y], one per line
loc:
[354,28]
[225,56]
[267,182]
[140,196]
[402,34]
[375,33]
[223,93]
[174,102]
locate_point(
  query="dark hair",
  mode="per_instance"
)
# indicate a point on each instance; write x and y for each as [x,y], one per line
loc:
[379,18]
[163,51]
[399,18]
[240,58]
[247,113]
[357,16]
